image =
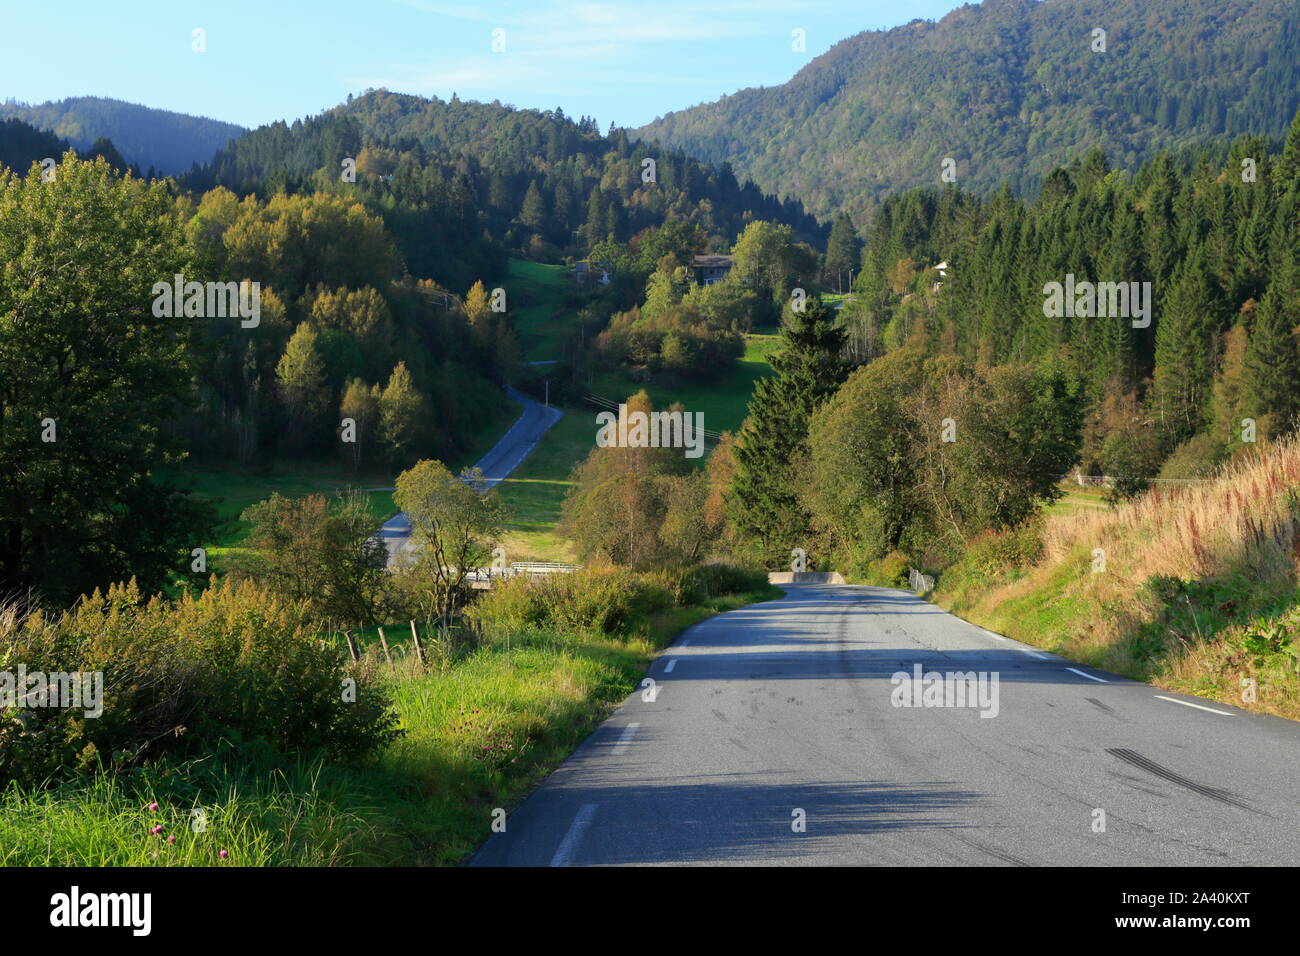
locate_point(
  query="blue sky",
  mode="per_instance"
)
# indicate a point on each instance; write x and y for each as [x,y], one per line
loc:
[625,61]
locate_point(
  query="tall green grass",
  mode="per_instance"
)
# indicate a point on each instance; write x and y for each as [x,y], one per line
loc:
[301,815]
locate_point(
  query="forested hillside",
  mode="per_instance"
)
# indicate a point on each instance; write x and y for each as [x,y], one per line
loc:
[452,179]
[970,388]
[168,142]
[1009,89]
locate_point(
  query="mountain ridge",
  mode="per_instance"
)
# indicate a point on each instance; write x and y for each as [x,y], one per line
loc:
[1009,89]
[168,141]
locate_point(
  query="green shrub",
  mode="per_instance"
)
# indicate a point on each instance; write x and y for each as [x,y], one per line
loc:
[234,664]
[717,579]
[893,568]
[603,600]
[1198,457]
[994,553]
[587,600]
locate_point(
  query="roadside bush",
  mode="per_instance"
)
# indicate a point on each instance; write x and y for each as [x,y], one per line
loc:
[889,571]
[602,600]
[994,553]
[718,578]
[233,664]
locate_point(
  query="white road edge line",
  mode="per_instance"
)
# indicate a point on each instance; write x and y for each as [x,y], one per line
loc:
[671,665]
[1099,680]
[1175,700]
[998,637]
[569,845]
[1041,657]
[626,739]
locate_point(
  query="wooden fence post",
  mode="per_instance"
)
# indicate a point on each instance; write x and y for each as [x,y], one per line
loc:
[419,648]
[352,646]
[382,640]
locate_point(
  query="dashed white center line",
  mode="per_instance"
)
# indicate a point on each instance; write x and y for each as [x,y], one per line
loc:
[1175,700]
[671,665]
[626,739]
[1099,680]
[569,845]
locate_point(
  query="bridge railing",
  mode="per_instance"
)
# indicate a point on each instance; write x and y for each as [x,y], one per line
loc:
[543,567]
[530,568]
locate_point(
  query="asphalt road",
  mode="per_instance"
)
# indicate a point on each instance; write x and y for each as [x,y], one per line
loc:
[788,706]
[506,455]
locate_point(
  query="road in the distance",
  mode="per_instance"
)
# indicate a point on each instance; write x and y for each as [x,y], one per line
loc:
[506,455]
[786,706]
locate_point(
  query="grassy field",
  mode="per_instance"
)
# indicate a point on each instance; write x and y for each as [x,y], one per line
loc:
[482,730]
[535,492]
[233,491]
[535,292]
[1077,498]
[723,402]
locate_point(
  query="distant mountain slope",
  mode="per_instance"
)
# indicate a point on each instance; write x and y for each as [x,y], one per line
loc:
[169,142]
[1009,89]
[22,144]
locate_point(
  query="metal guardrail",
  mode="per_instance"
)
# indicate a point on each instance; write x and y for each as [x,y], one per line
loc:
[920,583]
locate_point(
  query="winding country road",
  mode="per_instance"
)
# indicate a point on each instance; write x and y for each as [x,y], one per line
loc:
[506,455]
[786,706]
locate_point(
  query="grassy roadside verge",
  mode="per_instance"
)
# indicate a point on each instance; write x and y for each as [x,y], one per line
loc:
[484,727]
[1191,589]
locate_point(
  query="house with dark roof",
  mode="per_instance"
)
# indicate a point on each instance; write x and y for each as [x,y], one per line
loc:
[711,269]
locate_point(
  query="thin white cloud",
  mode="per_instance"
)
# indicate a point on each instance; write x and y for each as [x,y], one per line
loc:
[488,79]
[563,21]
[579,48]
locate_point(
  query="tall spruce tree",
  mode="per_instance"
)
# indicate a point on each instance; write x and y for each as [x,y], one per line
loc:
[1272,356]
[763,502]
[1186,352]
[842,252]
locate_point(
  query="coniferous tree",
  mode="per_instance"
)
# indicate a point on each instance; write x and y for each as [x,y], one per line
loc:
[1272,356]
[1287,175]
[763,499]
[1186,352]
[533,213]
[842,251]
